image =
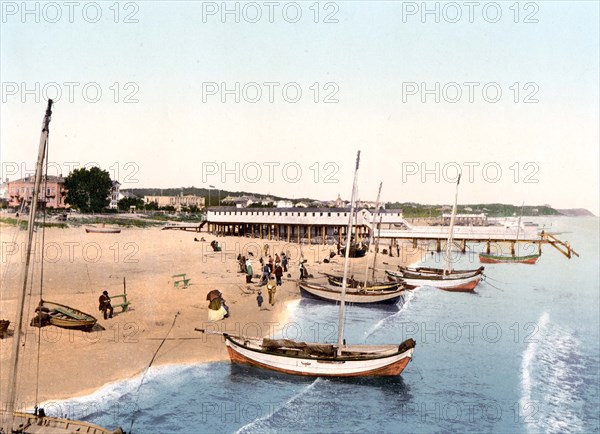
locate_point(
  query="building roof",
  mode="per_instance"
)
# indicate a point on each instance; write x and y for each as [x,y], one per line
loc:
[297,209]
[49,178]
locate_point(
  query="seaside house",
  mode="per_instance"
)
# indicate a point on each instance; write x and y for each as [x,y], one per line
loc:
[178,202]
[53,196]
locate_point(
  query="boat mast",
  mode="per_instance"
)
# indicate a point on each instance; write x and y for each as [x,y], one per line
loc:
[377,248]
[12,376]
[346,257]
[371,236]
[447,263]
[519,224]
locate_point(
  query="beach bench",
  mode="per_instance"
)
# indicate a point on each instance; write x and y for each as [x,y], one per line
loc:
[180,279]
[125,305]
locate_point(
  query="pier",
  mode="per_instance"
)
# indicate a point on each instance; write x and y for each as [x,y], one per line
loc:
[328,225]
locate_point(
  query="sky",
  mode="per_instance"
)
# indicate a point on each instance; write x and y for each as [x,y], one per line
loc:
[277,97]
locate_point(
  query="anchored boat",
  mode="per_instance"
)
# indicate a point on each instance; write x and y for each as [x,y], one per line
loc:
[315,359]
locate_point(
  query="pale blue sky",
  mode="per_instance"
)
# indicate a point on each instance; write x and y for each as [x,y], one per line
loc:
[368,54]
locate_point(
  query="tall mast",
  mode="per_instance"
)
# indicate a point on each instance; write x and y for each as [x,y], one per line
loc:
[447,264]
[372,235]
[377,247]
[346,256]
[519,224]
[12,378]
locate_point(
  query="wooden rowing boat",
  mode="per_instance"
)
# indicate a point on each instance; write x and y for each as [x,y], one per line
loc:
[358,296]
[102,230]
[426,271]
[64,316]
[371,286]
[447,283]
[500,259]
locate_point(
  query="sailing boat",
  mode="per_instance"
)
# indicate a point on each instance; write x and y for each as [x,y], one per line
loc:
[13,421]
[372,285]
[512,259]
[356,291]
[317,359]
[446,278]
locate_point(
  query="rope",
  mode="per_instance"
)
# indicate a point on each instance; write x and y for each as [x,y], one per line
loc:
[493,286]
[146,371]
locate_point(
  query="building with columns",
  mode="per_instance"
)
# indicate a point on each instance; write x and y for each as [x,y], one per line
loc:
[314,225]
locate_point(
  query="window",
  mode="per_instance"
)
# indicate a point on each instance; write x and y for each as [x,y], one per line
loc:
[321,215]
[313,214]
[345,214]
[338,214]
[305,214]
[328,214]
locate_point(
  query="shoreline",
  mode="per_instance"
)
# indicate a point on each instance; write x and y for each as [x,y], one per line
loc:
[76,364]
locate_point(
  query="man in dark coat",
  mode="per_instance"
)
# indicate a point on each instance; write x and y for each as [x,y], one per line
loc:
[105,305]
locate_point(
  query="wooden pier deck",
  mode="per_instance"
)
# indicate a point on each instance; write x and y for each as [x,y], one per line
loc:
[193,227]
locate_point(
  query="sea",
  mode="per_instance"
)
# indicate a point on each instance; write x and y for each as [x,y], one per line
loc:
[521,355]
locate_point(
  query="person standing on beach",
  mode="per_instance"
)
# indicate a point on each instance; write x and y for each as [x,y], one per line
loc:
[398,249]
[272,289]
[278,273]
[105,305]
[284,262]
[248,271]
[265,276]
[259,299]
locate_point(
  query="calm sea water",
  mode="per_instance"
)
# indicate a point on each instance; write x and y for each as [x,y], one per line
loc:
[521,355]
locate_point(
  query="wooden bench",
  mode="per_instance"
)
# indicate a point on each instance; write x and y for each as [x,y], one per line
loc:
[125,305]
[180,279]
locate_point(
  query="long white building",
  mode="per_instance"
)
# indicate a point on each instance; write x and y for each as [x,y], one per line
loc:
[296,224]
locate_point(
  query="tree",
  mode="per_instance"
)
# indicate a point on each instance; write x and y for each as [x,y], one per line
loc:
[151,206]
[127,202]
[88,190]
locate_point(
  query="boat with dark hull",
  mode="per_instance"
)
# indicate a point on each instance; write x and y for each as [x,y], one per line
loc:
[356,250]
[90,230]
[357,296]
[356,284]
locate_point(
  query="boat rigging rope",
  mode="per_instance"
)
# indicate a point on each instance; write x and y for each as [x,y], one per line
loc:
[137,392]
[486,277]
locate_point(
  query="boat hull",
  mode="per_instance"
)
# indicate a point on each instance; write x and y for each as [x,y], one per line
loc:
[102,231]
[493,259]
[67,317]
[429,271]
[52,425]
[386,365]
[465,284]
[376,286]
[334,293]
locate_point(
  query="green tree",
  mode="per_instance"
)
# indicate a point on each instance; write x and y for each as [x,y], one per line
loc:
[88,190]
[151,206]
[127,202]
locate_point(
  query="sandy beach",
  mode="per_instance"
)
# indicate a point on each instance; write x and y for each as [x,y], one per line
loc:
[79,266]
